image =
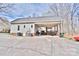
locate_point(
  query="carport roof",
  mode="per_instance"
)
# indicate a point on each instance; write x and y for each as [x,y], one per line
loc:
[36,19]
[47,24]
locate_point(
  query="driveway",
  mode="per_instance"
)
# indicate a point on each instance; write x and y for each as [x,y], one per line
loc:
[24,46]
[37,46]
[65,47]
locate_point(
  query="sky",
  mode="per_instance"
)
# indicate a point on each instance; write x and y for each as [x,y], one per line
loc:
[25,10]
[20,10]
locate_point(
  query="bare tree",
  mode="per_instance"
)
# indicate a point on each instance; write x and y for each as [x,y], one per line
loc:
[53,9]
[66,11]
[74,10]
[61,10]
[5,7]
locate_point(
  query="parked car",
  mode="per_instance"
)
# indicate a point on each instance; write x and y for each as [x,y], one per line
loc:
[76,38]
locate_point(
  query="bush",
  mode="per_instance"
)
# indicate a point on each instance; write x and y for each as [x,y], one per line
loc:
[62,34]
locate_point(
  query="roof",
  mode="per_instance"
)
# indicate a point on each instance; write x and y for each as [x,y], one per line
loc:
[35,19]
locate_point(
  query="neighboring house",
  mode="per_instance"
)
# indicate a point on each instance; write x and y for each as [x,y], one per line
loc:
[33,24]
[4,24]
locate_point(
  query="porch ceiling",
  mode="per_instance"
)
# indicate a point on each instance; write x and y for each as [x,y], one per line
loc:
[47,24]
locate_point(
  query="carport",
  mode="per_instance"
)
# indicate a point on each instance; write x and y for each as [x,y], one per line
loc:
[54,26]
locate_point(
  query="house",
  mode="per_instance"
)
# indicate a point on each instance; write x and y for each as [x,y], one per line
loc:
[4,24]
[33,25]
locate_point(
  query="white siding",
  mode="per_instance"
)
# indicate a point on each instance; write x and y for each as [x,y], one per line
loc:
[14,28]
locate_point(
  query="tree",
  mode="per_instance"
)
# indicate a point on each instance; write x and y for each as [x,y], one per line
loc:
[74,10]
[61,10]
[66,11]
[54,8]
[5,7]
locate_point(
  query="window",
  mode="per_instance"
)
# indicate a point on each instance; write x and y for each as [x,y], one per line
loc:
[24,26]
[18,27]
[31,26]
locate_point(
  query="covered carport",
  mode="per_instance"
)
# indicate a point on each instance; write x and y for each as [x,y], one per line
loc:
[54,27]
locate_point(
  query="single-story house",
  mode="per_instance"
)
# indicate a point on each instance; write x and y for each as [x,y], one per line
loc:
[33,25]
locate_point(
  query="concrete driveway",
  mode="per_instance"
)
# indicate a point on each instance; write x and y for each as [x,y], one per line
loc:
[37,46]
[65,47]
[15,45]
